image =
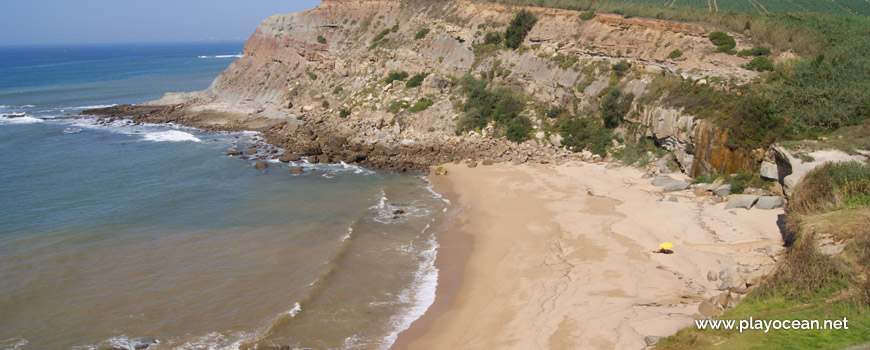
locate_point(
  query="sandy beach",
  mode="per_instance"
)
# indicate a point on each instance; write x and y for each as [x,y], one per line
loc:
[561,257]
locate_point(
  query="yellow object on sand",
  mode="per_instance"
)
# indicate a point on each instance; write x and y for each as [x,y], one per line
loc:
[666,245]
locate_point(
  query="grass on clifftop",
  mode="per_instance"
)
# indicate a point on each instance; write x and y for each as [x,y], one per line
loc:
[831,202]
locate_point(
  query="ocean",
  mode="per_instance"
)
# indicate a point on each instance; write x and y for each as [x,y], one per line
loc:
[125,235]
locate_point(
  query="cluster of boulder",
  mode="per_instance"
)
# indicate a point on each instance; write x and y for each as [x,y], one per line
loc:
[721,192]
[736,282]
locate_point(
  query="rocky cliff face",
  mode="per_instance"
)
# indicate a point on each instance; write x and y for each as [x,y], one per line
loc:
[300,71]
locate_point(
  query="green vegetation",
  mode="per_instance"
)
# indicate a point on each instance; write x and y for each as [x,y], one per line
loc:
[321,39]
[344,113]
[337,90]
[397,106]
[832,187]
[738,182]
[421,34]
[416,80]
[760,64]
[723,41]
[613,105]
[393,76]
[494,38]
[421,105]
[579,133]
[587,15]
[311,75]
[675,54]
[519,27]
[381,35]
[755,51]
[723,8]
[565,62]
[637,151]
[395,28]
[620,69]
[485,104]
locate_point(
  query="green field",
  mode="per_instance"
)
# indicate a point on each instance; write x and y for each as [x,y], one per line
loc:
[855,7]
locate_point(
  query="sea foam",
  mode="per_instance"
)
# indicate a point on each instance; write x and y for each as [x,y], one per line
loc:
[171,136]
[19,120]
[223,56]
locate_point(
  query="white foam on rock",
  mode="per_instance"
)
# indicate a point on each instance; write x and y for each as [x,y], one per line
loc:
[171,136]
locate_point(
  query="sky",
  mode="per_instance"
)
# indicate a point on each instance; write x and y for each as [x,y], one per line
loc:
[31,22]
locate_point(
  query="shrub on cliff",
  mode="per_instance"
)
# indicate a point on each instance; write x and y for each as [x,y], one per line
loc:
[675,54]
[587,15]
[579,133]
[416,80]
[393,76]
[519,27]
[493,38]
[501,105]
[321,39]
[723,41]
[613,106]
[421,105]
[760,64]
[421,34]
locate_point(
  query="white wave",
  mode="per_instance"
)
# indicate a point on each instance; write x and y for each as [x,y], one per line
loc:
[419,296]
[223,56]
[19,119]
[128,342]
[90,107]
[71,131]
[349,233]
[218,341]
[294,311]
[13,343]
[171,136]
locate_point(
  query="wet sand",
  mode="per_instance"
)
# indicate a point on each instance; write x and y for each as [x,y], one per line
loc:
[561,257]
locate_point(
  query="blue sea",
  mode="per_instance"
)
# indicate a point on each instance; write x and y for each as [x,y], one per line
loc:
[124,235]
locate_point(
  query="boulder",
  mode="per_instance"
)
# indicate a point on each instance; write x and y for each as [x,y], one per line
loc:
[288,157]
[709,309]
[722,299]
[769,171]
[234,152]
[472,165]
[251,151]
[323,158]
[725,273]
[144,343]
[440,171]
[722,191]
[714,185]
[296,170]
[769,202]
[672,199]
[741,201]
[700,192]
[651,340]
[487,162]
[712,276]
[734,282]
[829,246]
[261,165]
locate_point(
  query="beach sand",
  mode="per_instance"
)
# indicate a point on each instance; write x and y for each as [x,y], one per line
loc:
[560,257]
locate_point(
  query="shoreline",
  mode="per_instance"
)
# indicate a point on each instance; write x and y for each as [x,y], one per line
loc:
[561,257]
[454,248]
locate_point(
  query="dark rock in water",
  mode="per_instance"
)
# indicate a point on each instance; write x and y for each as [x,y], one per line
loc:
[288,157]
[261,165]
[399,212]
[251,151]
[243,157]
[296,170]
[144,343]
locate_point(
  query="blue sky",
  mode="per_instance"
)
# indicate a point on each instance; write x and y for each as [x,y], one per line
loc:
[102,21]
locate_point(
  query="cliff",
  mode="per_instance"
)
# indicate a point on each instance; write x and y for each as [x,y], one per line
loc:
[309,76]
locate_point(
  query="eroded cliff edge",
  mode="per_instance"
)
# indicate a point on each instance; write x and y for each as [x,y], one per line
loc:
[314,83]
